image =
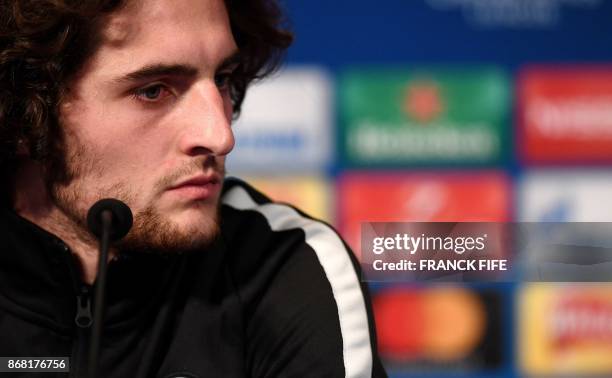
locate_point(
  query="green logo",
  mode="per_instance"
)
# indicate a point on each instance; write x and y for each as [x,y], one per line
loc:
[427,117]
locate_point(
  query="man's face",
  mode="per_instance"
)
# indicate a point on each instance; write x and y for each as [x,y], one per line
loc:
[148,122]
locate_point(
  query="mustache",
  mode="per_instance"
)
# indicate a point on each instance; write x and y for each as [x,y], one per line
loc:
[205,164]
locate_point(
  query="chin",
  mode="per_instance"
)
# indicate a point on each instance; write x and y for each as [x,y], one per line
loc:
[190,230]
[195,219]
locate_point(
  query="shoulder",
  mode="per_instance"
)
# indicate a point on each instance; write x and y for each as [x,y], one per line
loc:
[249,215]
[254,225]
[296,274]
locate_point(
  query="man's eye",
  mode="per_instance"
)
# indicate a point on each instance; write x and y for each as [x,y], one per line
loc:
[152,93]
[223,79]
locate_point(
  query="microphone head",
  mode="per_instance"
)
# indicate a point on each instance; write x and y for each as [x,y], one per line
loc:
[121,219]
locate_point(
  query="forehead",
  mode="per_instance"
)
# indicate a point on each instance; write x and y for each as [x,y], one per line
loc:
[156,31]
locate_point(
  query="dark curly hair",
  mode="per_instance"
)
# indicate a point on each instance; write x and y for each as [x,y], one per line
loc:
[44,43]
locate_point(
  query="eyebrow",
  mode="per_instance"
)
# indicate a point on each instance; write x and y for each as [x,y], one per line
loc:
[161,69]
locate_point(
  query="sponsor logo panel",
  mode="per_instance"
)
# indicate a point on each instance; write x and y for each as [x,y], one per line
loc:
[420,197]
[572,195]
[286,124]
[565,114]
[429,116]
[565,330]
[309,193]
[438,328]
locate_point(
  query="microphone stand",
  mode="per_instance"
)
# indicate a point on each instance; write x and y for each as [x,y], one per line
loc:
[107,220]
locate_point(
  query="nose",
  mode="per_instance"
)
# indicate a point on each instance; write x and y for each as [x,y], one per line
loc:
[206,121]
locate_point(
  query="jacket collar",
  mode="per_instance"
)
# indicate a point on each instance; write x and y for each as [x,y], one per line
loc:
[40,279]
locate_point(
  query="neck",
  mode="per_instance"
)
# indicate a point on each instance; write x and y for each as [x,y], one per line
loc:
[33,202]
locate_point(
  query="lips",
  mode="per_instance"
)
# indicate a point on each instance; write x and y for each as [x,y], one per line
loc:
[200,187]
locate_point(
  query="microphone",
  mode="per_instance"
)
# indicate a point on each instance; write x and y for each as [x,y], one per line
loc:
[121,222]
[109,220]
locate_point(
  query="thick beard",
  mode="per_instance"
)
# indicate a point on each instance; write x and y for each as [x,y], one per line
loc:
[150,233]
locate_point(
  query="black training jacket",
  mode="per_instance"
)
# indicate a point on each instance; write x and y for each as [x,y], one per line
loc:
[279,295]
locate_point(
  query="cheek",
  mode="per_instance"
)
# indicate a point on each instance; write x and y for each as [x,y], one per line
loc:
[120,145]
[113,144]
[114,161]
